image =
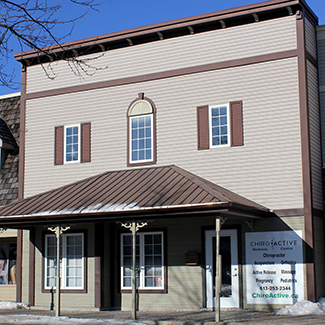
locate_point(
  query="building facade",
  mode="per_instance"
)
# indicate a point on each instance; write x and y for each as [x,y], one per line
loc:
[213,117]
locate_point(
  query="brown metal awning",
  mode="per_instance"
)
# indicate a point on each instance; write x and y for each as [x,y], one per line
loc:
[150,193]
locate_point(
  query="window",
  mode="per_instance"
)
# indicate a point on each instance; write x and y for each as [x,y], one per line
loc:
[141,132]
[141,135]
[72,267]
[72,144]
[149,261]
[220,125]
[8,252]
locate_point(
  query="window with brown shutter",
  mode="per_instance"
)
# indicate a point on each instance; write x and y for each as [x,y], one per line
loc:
[236,113]
[59,145]
[220,125]
[72,144]
[203,127]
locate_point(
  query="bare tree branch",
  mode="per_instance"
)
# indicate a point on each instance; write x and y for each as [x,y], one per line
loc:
[31,23]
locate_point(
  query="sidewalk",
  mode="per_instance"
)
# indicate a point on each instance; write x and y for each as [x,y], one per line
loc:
[228,317]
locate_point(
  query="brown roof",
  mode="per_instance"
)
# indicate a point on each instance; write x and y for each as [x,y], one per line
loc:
[148,192]
[199,23]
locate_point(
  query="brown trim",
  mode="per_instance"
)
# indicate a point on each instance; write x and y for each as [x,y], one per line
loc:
[312,60]
[99,253]
[84,290]
[59,145]
[202,115]
[154,134]
[21,168]
[31,266]
[306,163]
[289,212]
[170,26]
[166,74]
[19,265]
[236,127]
[85,142]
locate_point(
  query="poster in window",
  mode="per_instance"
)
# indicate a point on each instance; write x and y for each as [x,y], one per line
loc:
[4,263]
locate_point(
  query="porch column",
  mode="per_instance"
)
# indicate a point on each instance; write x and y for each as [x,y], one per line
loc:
[134,227]
[58,230]
[217,281]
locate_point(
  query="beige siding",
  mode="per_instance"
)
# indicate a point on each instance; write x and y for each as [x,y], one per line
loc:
[315,141]
[215,46]
[184,291]
[267,168]
[8,233]
[311,38]
[80,300]
[8,293]
[25,267]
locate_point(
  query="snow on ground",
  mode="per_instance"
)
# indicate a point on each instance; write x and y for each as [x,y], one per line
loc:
[12,305]
[304,307]
[62,320]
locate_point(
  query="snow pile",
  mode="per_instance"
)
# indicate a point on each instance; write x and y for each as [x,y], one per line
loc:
[304,307]
[62,320]
[12,305]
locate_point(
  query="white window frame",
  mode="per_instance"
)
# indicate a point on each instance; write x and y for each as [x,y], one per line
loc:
[65,143]
[63,262]
[130,137]
[228,126]
[142,261]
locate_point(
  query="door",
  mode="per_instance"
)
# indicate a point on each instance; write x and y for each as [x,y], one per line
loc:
[229,293]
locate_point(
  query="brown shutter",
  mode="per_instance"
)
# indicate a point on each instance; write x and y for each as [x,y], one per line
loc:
[85,142]
[236,113]
[58,146]
[203,127]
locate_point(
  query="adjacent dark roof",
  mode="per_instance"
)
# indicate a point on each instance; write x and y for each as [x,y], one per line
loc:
[6,135]
[148,192]
[179,27]
[9,112]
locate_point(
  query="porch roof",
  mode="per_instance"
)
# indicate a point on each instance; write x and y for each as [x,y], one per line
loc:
[150,193]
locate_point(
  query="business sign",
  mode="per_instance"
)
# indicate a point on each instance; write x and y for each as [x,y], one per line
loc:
[274,267]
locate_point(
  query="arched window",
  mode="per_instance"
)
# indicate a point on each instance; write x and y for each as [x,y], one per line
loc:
[141,132]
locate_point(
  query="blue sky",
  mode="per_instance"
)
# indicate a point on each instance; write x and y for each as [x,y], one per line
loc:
[115,15]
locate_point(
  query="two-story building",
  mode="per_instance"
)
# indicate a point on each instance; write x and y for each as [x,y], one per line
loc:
[212,117]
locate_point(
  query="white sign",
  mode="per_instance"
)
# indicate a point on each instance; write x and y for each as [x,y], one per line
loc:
[274,267]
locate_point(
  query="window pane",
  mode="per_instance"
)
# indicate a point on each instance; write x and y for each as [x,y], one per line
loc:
[141,138]
[149,282]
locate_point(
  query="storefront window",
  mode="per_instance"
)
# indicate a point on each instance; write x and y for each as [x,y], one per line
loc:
[8,252]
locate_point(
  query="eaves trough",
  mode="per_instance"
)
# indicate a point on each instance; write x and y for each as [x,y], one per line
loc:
[130,195]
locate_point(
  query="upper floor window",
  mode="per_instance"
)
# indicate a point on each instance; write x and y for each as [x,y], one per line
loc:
[219,125]
[141,134]
[72,143]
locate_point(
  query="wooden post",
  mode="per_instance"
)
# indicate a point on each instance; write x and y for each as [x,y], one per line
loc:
[57,296]
[217,281]
[134,288]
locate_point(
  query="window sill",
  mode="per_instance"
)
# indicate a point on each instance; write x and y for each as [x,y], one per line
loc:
[65,290]
[163,290]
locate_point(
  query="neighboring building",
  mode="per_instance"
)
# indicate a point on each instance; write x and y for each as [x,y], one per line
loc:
[9,134]
[198,119]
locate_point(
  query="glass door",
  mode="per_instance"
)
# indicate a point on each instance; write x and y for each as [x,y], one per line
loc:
[228,257]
